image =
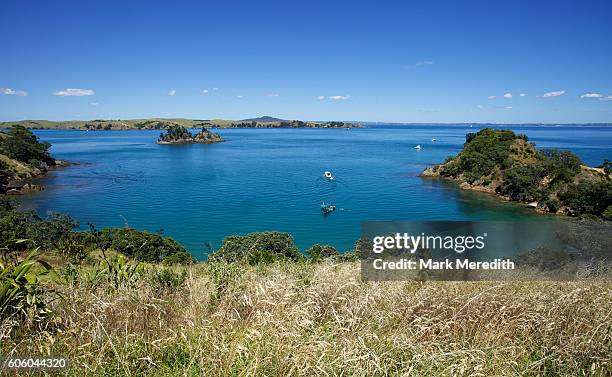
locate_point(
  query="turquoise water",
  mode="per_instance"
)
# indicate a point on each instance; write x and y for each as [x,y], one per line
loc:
[270,179]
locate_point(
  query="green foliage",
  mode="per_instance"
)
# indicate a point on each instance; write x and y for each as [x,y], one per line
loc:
[122,274]
[143,246]
[318,252]
[560,166]
[5,175]
[607,214]
[255,248]
[586,197]
[22,145]
[167,280]
[521,183]
[482,153]
[72,249]
[180,257]
[362,246]
[21,294]
[223,276]
[174,133]
[42,233]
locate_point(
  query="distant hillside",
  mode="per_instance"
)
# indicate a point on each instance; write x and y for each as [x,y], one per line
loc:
[265,119]
[163,124]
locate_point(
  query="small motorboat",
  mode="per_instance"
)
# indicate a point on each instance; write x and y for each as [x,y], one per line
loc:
[434,139]
[328,175]
[418,147]
[327,208]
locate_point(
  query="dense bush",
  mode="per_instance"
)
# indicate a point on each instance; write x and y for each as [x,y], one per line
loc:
[318,252]
[521,183]
[260,247]
[22,145]
[592,198]
[43,233]
[482,153]
[560,166]
[5,175]
[143,246]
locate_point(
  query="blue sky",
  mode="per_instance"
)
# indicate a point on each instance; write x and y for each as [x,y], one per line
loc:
[417,61]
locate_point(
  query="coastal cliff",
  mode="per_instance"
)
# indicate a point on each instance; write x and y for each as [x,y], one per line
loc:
[509,166]
[23,158]
[180,135]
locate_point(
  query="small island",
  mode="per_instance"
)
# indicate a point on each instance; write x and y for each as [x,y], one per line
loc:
[509,166]
[177,134]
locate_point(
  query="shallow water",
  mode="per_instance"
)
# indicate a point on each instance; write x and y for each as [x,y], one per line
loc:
[270,179]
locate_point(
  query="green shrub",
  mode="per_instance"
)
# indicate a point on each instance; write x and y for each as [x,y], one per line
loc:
[592,198]
[165,279]
[255,248]
[72,249]
[142,245]
[521,183]
[5,175]
[560,166]
[22,145]
[607,214]
[180,257]
[318,252]
[42,233]
[362,247]
[21,294]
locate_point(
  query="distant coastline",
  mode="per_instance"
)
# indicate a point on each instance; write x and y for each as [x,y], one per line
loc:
[164,123]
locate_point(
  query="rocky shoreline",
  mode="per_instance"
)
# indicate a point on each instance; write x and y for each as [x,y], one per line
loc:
[25,185]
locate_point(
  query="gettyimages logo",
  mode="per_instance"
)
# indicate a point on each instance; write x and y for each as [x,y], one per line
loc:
[404,241]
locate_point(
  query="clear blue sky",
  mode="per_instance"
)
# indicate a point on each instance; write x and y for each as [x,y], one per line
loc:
[405,61]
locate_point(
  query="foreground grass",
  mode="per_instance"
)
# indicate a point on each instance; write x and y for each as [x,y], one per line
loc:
[321,319]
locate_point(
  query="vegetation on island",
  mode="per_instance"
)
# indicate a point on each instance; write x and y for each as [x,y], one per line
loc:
[163,123]
[180,135]
[22,158]
[554,181]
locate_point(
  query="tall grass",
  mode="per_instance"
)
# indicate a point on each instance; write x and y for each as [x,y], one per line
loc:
[218,319]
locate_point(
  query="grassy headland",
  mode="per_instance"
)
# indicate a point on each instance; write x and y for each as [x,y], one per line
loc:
[163,123]
[553,181]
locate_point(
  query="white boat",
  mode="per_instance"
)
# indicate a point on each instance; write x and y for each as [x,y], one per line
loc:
[418,147]
[328,175]
[434,139]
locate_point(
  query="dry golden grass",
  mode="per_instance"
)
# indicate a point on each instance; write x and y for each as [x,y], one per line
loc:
[321,319]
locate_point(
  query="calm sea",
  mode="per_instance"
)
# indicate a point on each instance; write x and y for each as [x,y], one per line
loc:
[270,179]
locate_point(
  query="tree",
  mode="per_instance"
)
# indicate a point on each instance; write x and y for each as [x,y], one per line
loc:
[318,252]
[22,145]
